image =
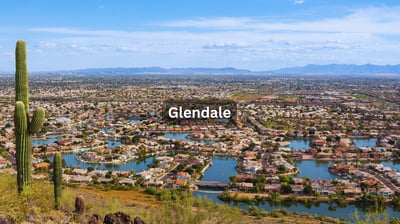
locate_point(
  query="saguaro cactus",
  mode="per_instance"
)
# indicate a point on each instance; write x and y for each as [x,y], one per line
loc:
[57,177]
[24,128]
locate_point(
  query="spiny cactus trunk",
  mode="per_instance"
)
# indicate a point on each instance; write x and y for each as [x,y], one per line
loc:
[57,175]
[23,127]
[21,75]
[24,161]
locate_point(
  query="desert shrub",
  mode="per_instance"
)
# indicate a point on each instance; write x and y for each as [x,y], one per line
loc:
[35,205]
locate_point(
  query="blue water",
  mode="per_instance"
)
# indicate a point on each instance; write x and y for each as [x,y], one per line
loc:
[43,141]
[392,164]
[297,144]
[321,209]
[221,169]
[365,142]
[138,166]
[113,144]
[182,136]
[315,169]
[225,167]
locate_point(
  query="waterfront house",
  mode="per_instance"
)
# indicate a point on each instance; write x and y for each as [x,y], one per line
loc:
[272,188]
[297,189]
[297,181]
[99,173]
[385,192]
[245,186]
[244,177]
[251,166]
[81,179]
[126,181]
[273,180]
[78,171]
[353,192]
[103,180]
[116,173]
[322,186]
[325,191]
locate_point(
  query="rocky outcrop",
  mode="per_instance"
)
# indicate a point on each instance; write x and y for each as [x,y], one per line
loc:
[95,219]
[117,218]
[138,220]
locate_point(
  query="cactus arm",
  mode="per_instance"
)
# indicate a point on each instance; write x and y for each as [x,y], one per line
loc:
[37,120]
[57,178]
[21,75]
[20,118]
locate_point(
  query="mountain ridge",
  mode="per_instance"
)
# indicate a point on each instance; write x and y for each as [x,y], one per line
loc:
[310,69]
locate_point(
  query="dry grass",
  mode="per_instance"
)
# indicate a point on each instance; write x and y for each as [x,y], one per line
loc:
[37,206]
[245,96]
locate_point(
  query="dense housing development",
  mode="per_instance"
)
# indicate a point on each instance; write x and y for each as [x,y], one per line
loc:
[306,138]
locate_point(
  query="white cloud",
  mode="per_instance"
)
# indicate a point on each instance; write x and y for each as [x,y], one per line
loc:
[82,49]
[44,44]
[367,20]
[225,45]
[126,49]
[209,23]
[298,2]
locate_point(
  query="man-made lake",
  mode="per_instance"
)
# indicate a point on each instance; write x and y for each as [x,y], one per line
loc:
[224,167]
[182,136]
[322,209]
[362,142]
[44,141]
[138,166]
[221,169]
[392,164]
[297,144]
[315,169]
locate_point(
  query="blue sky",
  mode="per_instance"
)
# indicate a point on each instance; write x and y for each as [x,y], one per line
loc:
[248,34]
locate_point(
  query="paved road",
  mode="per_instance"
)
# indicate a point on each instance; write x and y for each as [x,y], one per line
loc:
[385,182]
[170,174]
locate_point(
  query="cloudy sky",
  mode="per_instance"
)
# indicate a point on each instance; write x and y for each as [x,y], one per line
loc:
[246,34]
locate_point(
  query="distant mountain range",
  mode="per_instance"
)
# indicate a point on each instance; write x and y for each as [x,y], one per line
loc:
[341,69]
[155,70]
[331,69]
